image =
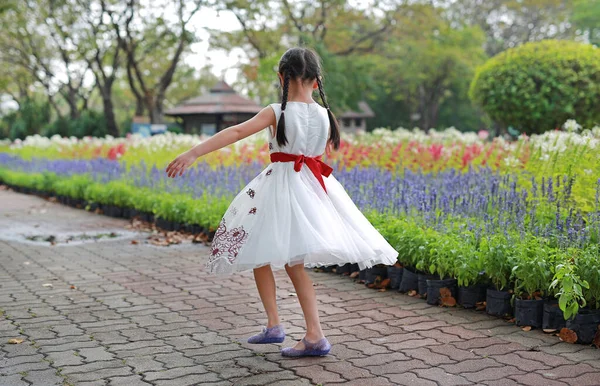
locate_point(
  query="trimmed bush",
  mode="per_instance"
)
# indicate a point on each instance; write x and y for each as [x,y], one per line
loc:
[538,86]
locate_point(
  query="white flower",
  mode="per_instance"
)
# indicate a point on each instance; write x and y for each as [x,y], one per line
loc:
[511,161]
[572,126]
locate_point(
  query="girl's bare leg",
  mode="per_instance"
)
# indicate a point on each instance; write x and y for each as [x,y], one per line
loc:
[265,282]
[308,302]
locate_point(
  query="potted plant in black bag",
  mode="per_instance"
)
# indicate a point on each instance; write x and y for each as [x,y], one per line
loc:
[532,276]
[498,256]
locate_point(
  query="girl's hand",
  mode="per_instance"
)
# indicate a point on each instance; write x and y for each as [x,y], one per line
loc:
[179,164]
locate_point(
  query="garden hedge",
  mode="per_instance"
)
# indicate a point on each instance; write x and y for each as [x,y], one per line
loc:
[538,86]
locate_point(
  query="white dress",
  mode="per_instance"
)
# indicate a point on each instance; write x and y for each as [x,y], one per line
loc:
[286,217]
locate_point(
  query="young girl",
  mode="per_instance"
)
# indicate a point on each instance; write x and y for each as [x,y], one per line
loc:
[295,214]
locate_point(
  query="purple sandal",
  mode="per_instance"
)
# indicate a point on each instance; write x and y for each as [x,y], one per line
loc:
[275,334]
[317,349]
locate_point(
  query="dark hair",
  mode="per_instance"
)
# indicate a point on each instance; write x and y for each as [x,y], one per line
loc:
[304,64]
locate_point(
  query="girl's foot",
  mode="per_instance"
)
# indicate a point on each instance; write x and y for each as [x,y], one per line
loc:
[275,334]
[304,348]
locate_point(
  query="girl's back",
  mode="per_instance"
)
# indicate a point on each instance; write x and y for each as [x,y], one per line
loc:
[307,129]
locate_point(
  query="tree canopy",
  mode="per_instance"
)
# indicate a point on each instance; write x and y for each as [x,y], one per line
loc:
[411,60]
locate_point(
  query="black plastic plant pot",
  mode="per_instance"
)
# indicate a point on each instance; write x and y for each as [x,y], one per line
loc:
[409,282]
[395,276]
[343,269]
[498,303]
[469,296]
[117,211]
[434,286]
[553,318]
[163,224]
[529,312]
[134,213]
[374,272]
[354,268]
[422,283]
[585,324]
[362,275]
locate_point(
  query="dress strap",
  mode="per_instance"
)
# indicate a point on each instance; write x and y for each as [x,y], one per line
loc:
[315,164]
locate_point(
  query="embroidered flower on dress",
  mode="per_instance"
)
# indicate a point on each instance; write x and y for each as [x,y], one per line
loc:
[251,193]
[269,172]
[233,211]
[227,243]
[270,146]
[252,211]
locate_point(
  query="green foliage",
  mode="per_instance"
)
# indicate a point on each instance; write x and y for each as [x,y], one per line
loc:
[538,86]
[588,268]
[570,295]
[531,271]
[586,14]
[28,120]
[498,255]
[90,123]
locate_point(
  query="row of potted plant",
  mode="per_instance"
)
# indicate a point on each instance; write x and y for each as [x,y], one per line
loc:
[541,284]
[170,211]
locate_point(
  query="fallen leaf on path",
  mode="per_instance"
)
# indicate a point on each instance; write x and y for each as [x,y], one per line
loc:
[448,302]
[292,294]
[549,330]
[511,320]
[134,242]
[15,341]
[49,285]
[354,274]
[386,283]
[526,328]
[567,335]
[480,306]
[73,287]
[412,293]
[383,290]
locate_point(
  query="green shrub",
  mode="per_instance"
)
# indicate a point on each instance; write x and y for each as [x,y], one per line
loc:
[28,120]
[538,86]
[90,123]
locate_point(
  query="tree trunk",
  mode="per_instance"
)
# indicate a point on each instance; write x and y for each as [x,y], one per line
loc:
[109,113]
[54,105]
[71,98]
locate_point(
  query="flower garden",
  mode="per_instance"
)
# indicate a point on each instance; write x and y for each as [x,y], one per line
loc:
[514,226]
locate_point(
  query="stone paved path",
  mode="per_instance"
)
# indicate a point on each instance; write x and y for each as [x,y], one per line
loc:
[145,315]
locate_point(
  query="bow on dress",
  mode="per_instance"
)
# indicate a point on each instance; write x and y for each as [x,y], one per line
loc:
[315,164]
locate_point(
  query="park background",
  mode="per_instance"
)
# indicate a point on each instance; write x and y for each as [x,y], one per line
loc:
[85,67]
[498,192]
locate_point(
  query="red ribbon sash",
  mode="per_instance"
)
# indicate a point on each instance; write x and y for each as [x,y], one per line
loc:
[316,166]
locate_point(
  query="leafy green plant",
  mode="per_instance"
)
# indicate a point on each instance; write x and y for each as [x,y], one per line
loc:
[498,255]
[588,267]
[570,285]
[469,265]
[531,271]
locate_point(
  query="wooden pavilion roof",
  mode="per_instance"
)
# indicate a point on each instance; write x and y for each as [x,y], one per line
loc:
[221,99]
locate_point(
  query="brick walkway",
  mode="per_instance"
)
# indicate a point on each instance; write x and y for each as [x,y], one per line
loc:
[145,315]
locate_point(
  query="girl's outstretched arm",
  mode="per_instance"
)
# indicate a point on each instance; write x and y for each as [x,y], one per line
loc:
[265,118]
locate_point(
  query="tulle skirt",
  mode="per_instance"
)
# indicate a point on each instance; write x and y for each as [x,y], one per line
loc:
[286,217]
